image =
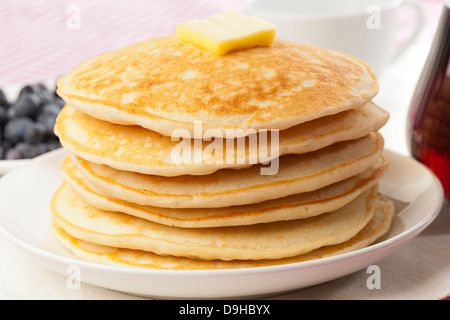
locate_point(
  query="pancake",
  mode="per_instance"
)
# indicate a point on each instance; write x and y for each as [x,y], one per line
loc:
[133,148]
[375,229]
[261,241]
[164,84]
[293,207]
[228,187]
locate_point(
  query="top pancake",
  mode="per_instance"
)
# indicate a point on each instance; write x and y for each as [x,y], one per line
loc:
[163,84]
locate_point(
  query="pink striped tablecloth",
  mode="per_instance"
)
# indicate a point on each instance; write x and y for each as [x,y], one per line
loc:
[39,40]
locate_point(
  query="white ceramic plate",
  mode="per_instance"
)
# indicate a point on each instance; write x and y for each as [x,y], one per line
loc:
[25,220]
[8,165]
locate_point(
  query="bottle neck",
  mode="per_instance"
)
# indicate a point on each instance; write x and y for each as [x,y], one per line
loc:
[441,44]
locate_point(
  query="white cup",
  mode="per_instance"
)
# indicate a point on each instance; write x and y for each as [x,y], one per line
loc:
[365,29]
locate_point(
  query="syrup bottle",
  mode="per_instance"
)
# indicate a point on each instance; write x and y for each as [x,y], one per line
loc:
[428,120]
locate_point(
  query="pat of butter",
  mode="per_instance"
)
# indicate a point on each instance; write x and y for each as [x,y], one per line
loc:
[225,32]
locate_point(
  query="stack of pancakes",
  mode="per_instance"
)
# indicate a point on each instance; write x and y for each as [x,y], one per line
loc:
[306,189]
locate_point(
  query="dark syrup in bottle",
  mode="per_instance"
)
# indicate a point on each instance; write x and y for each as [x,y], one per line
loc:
[429,114]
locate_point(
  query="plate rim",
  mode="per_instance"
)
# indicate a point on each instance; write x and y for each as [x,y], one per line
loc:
[49,258]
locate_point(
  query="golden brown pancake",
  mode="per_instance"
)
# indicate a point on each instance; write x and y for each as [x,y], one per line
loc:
[133,148]
[375,229]
[260,241]
[299,206]
[228,187]
[127,199]
[163,84]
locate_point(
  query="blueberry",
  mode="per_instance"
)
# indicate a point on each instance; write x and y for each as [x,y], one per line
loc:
[3,116]
[35,132]
[59,101]
[40,89]
[13,154]
[3,100]
[50,108]
[27,150]
[4,147]
[14,129]
[26,106]
[52,145]
[26,125]
[42,148]
[47,119]
[6,144]
[44,93]
[26,90]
